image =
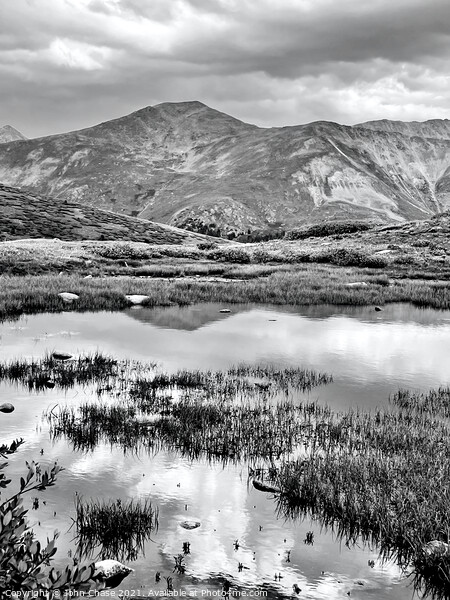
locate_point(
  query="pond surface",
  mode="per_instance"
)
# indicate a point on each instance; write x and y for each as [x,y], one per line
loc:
[370,355]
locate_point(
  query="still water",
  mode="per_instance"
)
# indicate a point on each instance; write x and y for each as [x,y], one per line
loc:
[370,355]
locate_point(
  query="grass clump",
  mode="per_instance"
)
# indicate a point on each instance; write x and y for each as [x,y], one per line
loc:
[434,402]
[119,527]
[38,375]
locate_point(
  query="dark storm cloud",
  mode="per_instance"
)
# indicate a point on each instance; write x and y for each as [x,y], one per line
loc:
[70,63]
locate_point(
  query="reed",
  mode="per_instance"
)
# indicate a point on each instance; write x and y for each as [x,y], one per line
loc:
[119,528]
[435,402]
[38,375]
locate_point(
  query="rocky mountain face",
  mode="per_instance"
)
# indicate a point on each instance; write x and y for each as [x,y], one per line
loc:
[9,134]
[26,215]
[194,167]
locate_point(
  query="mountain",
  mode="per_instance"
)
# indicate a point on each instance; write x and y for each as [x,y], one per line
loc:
[191,166]
[26,215]
[9,134]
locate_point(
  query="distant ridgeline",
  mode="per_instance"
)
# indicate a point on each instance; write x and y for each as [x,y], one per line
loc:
[187,165]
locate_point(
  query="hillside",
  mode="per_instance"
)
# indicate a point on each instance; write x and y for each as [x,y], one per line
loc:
[191,166]
[26,215]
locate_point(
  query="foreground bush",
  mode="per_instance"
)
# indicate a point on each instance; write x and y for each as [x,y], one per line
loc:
[24,563]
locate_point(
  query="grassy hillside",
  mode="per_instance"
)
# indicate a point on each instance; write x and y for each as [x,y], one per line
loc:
[26,215]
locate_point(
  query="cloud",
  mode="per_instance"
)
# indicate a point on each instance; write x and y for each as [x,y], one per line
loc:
[72,63]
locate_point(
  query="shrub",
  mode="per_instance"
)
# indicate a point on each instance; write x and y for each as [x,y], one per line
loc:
[233,255]
[118,251]
[328,228]
[22,558]
[345,257]
[207,246]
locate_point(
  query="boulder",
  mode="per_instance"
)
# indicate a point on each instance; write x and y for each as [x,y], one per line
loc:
[6,407]
[68,296]
[136,298]
[111,572]
[190,524]
[378,308]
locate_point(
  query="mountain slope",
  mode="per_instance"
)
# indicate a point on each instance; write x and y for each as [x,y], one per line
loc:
[191,166]
[25,215]
[9,134]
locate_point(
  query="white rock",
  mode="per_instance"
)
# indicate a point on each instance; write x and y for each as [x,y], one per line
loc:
[136,298]
[68,297]
[356,284]
[112,572]
[436,548]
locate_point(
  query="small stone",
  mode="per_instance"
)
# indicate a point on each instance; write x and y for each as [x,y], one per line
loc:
[190,524]
[356,284]
[68,296]
[61,356]
[136,298]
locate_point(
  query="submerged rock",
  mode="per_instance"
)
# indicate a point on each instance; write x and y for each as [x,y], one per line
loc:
[6,407]
[61,356]
[136,298]
[263,487]
[190,524]
[68,296]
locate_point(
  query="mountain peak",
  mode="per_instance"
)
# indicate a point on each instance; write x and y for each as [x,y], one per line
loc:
[10,134]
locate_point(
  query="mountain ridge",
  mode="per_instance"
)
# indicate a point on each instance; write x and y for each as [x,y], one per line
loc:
[191,166]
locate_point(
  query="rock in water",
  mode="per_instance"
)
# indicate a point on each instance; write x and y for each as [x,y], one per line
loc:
[262,487]
[68,296]
[6,407]
[111,572]
[224,310]
[61,356]
[190,524]
[136,298]
[378,308]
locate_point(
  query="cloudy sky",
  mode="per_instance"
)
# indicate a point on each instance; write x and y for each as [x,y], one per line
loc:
[67,64]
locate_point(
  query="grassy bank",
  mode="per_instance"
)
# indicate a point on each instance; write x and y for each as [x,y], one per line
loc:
[302,285]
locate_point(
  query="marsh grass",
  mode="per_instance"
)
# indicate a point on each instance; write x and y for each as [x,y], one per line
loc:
[434,402]
[118,529]
[36,375]
[380,477]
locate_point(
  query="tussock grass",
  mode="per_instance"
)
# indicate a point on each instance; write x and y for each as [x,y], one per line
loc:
[38,374]
[119,528]
[434,402]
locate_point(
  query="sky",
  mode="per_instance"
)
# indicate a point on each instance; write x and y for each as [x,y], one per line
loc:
[69,64]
